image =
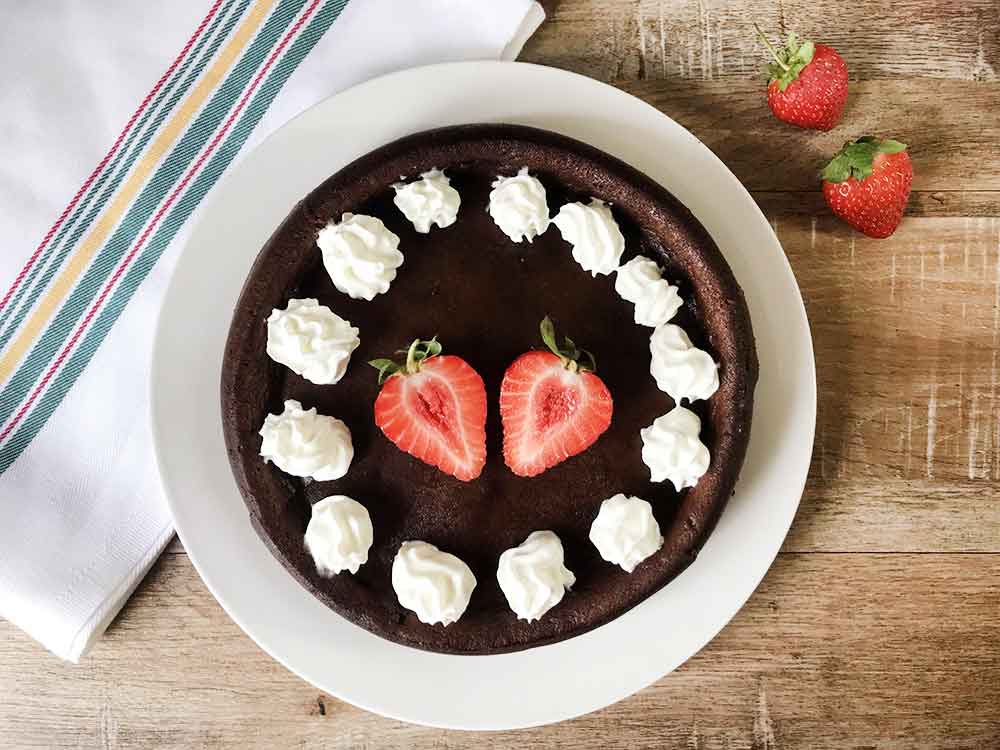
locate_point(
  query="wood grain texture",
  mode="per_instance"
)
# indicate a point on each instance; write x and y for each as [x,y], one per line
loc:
[887,651]
[714,40]
[951,127]
[907,452]
[879,624]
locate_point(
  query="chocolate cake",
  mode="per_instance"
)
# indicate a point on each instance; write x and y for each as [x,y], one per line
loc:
[483,297]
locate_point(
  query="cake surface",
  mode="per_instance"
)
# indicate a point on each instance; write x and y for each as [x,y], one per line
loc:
[483,296]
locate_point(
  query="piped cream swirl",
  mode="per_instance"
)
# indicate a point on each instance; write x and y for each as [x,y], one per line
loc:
[339,535]
[533,575]
[360,254]
[625,531]
[518,206]
[428,200]
[311,340]
[656,300]
[303,443]
[433,584]
[672,448]
[597,241]
[681,369]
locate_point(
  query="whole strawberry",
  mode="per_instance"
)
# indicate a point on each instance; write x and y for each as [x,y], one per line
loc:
[868,183]
[433,407]
[807,83]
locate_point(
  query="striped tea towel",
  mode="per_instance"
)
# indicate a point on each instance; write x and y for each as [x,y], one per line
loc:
[194,82]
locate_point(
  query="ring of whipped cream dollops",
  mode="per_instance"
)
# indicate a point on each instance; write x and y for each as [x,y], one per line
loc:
[362,257]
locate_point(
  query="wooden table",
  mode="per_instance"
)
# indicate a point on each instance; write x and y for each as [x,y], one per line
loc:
[879,624]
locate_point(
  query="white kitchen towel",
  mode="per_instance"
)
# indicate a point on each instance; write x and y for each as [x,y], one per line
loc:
[177,90]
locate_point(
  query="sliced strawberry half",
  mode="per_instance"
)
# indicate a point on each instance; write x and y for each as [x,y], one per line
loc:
[434,408]
[552,406]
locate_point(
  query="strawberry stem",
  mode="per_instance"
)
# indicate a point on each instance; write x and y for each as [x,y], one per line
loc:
[412,363]
[770,48]
[569,354]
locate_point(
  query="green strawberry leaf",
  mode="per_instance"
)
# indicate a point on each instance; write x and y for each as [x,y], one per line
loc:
[856,159]
[570,350]
[548,331]
[889,146]
[386,369]
[806,52]
[838,170]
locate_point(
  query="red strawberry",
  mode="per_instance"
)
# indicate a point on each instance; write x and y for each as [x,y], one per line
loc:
[807,83]
[434,407]
[868,183]
[552,406]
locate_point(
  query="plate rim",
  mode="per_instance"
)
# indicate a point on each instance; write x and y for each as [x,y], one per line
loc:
[160,368]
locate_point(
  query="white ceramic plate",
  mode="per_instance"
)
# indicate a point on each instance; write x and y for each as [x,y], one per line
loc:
[473,692]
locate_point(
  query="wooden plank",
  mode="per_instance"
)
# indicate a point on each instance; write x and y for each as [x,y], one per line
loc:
[887,651]
[892,515]
[924,203]
[951,127]
[715,40]
[906,334]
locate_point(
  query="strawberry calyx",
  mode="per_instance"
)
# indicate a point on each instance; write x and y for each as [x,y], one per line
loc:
[417,353]
[857,158]
[788,60]
[572,357]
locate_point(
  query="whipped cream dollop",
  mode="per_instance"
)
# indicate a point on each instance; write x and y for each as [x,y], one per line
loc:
[680,368]
[597,241]
[625,532]
[429,200]
[435,585]
[656,300]
[518,207]
[360,254]
[339,535]
[672,448]
[311,340]
[532,575]
[303,443]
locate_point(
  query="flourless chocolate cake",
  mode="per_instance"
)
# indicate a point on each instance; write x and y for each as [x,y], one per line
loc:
[483,296]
